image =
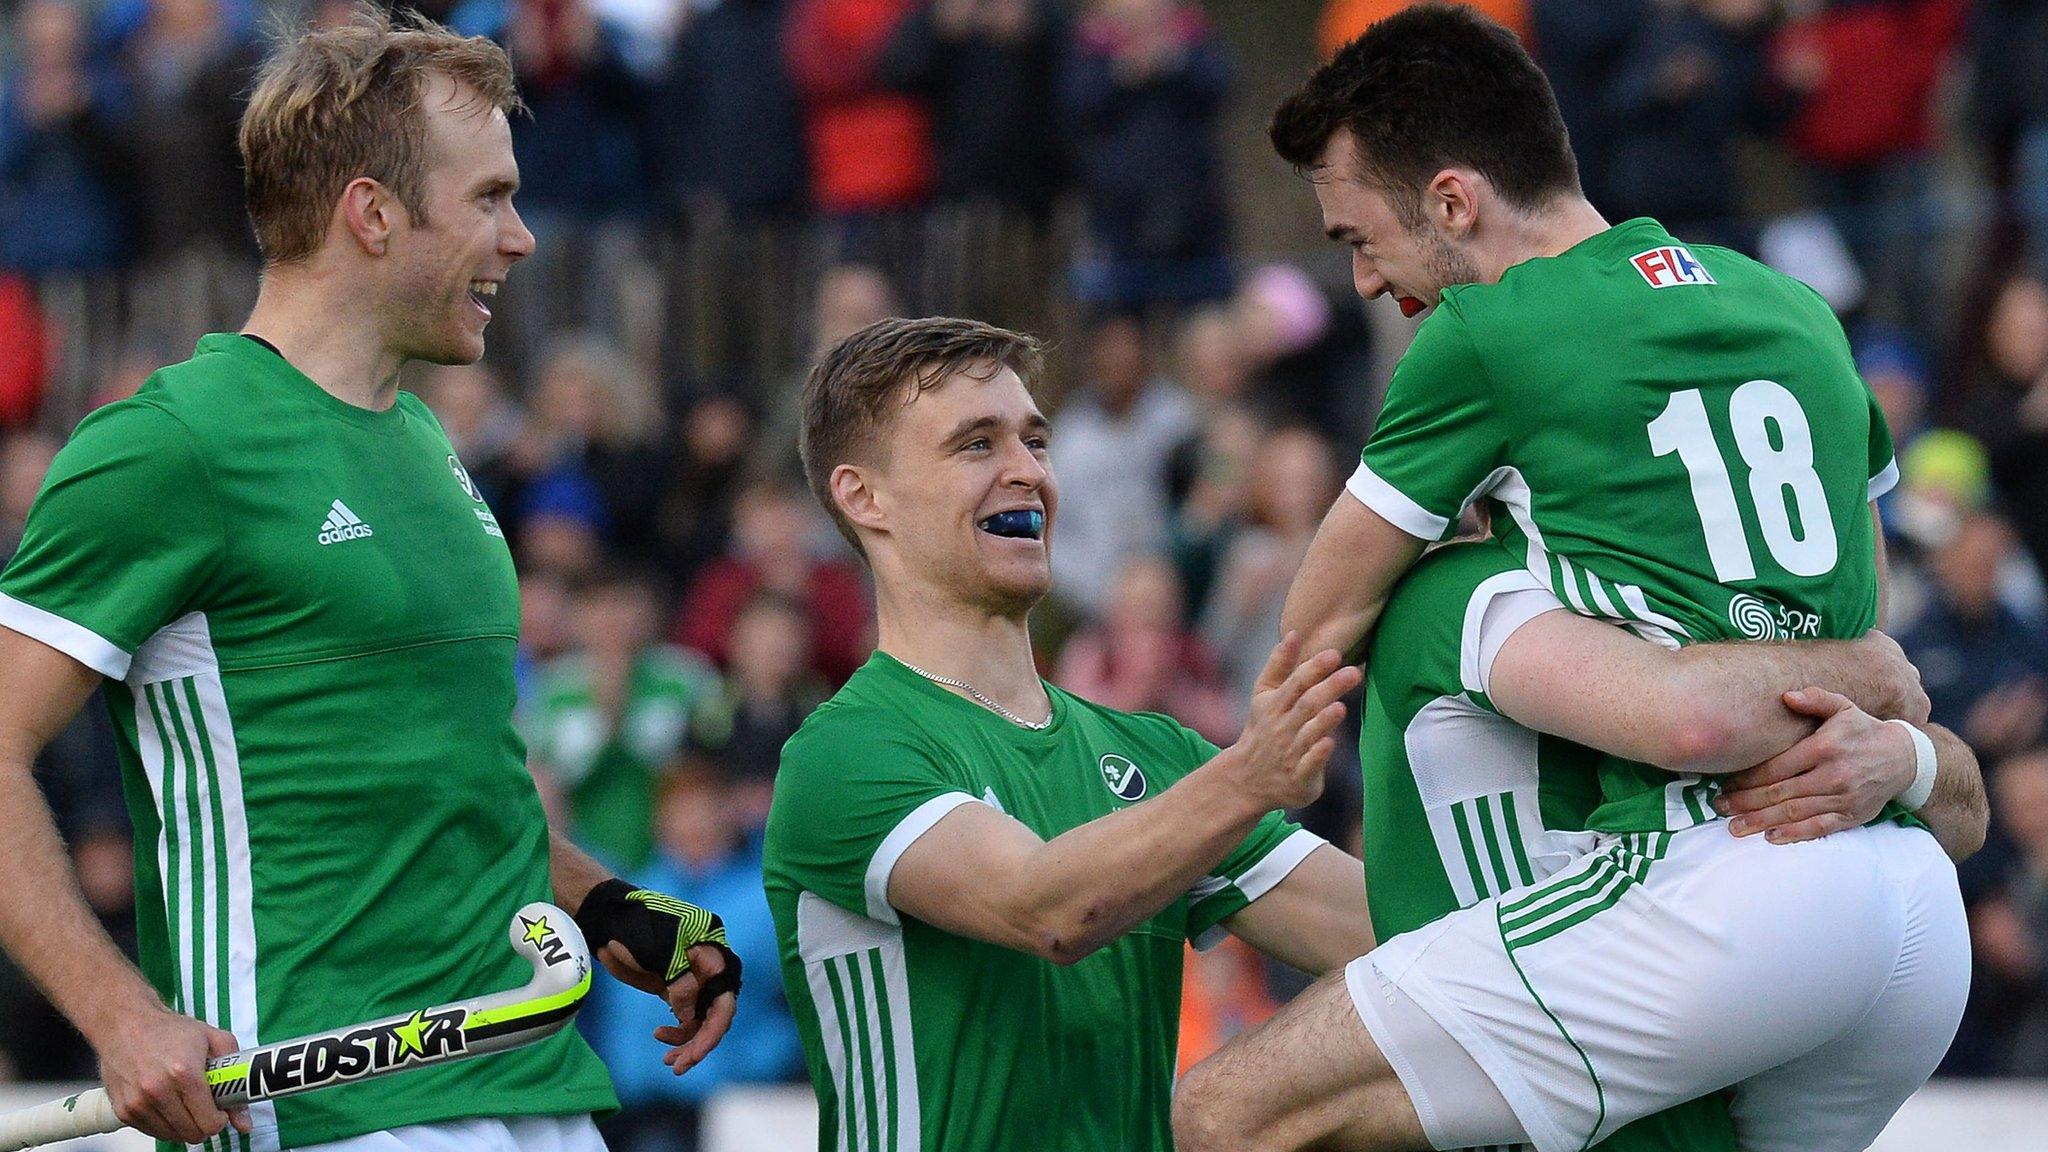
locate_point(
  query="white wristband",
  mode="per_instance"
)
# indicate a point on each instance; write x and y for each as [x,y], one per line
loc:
[1916,794]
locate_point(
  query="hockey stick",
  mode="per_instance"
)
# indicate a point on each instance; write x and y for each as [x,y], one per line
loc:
[541,933]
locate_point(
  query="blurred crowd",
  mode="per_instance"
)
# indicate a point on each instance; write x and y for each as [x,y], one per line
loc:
[723,187]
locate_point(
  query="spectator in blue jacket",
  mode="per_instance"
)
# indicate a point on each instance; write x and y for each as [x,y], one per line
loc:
[701,855]
[727,159]
[188,65]
[1695,78]
[1985,667]
[1143,91]
[724,125]
[2008,51]
[1580,46]
[579,154]
[63,200]
[990,70]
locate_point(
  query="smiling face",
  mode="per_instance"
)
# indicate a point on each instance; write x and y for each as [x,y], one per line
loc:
[1413,264]
[450,260]
[964,503]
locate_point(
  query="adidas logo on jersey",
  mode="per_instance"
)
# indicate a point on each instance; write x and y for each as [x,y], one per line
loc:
[343,524]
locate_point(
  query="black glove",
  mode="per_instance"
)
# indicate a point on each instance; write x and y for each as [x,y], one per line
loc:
[659,932]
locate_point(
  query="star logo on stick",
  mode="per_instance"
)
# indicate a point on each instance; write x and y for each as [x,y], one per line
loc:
[409,1038]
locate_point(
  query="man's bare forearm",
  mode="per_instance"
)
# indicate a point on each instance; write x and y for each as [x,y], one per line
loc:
[572,871]
[1957,812]
[1735,690]
[1738,671]
[1323,606]
[47,927]
[1100,880]
[978,873]
[1709,708]
[1351,568]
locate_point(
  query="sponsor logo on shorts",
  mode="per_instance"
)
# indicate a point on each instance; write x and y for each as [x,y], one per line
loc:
[1670,266]
[318,1061]
[1126,780]
[1759,619]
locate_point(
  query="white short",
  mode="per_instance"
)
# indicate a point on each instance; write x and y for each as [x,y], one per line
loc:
[480,1134]
[1823,980]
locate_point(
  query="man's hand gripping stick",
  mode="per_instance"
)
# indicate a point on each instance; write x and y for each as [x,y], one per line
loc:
[544,935]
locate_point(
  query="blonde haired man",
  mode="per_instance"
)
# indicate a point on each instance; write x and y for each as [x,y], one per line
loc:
[980,883]
[307,616]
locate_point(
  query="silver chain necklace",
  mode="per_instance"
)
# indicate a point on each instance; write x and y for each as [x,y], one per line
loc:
[980,698]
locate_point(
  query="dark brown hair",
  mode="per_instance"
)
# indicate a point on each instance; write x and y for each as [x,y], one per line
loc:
[1428,88]
[344,102]
[853,394]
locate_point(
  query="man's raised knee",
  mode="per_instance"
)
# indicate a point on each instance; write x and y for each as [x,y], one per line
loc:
[1204,1119]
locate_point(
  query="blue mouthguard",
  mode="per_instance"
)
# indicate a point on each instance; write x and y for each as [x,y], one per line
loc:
[1021,522]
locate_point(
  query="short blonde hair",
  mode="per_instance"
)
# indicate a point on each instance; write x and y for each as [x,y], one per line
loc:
[338,103]
[855,391]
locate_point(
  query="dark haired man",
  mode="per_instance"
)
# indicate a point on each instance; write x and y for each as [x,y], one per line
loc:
[982,884]
[1608,390]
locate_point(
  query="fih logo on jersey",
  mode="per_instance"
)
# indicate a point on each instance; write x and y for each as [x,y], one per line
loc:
[1126,780]
[1670,266]
[1759,620]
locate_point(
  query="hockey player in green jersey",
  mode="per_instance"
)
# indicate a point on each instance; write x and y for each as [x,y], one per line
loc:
[981,884]
[1673,438]
[1462,802]
[304,616]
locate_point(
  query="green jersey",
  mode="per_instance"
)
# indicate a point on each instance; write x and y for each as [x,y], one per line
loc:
[1462,803]
[609,769]
[920,1039]
[1674,438]
[306,615]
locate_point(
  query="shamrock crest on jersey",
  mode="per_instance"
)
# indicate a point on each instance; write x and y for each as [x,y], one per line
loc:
[484,516]
[1126,780]
[462,478]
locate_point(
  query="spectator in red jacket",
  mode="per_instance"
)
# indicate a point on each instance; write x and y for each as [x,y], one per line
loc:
[773,532]
[870,148]
[24,347]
